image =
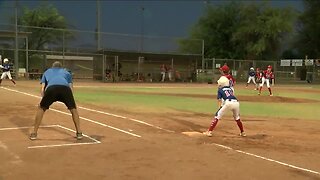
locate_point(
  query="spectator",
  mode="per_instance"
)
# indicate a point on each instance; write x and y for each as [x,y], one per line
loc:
[163,72]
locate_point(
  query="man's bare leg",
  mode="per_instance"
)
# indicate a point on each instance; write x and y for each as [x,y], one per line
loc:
[38,119]
[76,121]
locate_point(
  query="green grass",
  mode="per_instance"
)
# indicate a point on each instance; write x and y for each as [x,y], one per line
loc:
[154,103]
[281,110]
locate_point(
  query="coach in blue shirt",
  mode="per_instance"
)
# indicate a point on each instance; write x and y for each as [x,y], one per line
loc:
[56,85]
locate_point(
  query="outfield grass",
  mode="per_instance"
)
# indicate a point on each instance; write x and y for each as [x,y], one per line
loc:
[156,103]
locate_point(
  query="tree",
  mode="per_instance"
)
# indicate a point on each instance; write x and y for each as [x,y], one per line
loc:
[262,30]
[308,40]
[243,31]
[46,25]
[215,27]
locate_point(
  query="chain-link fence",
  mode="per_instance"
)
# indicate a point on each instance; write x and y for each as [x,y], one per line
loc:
[39,47]
[309,72]
[127,57]
[149,68]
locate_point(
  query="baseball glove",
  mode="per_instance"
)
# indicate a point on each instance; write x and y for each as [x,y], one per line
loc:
[259,80]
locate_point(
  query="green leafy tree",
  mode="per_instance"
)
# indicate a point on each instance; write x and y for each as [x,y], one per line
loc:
[262,30]
[308,40]
[215,27]
[243,31]
[47,26]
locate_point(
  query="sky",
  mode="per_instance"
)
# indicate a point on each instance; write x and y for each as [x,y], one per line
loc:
[164,18]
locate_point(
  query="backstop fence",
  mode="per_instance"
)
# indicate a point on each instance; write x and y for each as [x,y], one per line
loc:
[131,58]
[285,70]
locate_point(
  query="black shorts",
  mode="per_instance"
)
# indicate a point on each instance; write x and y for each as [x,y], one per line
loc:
[58,93]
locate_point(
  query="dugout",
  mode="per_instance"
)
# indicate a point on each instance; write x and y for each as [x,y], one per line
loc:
[145,67]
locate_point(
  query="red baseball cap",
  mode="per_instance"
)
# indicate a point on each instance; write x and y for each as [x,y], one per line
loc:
[225,68]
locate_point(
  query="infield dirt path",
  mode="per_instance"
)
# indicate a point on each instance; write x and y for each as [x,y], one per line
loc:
[157,153]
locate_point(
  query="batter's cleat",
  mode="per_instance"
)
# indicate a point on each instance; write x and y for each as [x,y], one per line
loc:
[33,136]
[243,134]
[271,95]
[79,136]
[208,133]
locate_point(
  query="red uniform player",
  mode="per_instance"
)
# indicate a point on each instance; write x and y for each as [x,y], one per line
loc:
[225,71]
[258,78]
[266,77]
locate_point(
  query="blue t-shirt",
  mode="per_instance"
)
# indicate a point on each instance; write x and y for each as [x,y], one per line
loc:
[252,73]
[6,67]
[56,76]
[225,93]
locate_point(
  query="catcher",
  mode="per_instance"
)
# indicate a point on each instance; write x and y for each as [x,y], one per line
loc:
[6,71]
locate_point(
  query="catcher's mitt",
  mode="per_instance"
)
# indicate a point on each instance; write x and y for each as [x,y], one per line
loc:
[259,80]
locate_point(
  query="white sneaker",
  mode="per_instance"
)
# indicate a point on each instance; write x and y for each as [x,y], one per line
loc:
[208,133]
[79,135]
[33,136]
[243,134]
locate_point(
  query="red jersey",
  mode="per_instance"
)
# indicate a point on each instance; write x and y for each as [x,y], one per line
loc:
[267,74]
[232,81]
[258,74]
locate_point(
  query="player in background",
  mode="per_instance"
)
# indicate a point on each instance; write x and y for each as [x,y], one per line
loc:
[6,71]
[230,103]
[252,76]
[266,77]
[258,78]
[225,71]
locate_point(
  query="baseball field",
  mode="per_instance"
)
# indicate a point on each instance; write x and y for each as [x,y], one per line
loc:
[153,131]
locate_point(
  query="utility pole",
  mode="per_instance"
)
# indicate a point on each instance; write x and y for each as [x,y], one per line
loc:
[16,55]
[98,25]
[142,29]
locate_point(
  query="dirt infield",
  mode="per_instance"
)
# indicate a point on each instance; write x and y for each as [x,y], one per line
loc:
[124,144]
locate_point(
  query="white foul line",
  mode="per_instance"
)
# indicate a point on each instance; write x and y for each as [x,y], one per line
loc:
[62,127]
[26,127]
[268,159]
[123,117]
[86,119]
[101,124]
[61,145]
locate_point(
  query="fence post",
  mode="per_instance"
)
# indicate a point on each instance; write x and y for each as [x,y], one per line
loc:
[103,67]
